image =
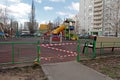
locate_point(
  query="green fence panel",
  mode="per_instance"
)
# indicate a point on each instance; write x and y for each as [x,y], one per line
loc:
[19,52]
[93,52]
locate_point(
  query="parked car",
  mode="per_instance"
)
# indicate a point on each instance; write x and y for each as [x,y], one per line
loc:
[26,35]
[37,34]
[83,35]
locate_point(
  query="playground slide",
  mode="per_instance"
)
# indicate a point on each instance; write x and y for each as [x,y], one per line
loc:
[58,30]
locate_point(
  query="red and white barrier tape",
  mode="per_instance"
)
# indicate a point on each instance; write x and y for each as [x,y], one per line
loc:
[72,54]
[63,56]
[61,50]
[58,44]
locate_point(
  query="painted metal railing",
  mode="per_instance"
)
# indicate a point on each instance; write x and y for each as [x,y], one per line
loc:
[84,49]
[83,42]
[19,52]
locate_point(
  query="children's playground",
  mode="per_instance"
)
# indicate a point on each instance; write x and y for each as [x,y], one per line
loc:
[58,45]
[30,49]
[53,46]
[25,50]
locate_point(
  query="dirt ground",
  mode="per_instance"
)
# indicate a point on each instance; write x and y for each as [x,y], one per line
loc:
[109,66]
[33,72]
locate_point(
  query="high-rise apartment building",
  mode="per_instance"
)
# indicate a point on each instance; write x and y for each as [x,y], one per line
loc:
[26,25]
[91,16]
[97,17]
[111,18]
[86,16]
[100,17]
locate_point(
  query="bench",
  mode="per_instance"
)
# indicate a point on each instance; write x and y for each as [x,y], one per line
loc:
[102,42]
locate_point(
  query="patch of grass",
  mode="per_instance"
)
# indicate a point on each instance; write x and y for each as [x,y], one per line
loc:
[33,72]
[109,66]
[112,71]
[109,72]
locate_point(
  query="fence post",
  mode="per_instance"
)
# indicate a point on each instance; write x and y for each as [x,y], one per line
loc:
[94,49]
[51,38]
[78,51]
[13,53]
[86,49]
[101,48]
[38,51]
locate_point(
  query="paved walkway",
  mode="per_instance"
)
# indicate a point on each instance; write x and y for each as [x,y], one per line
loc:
[71,71]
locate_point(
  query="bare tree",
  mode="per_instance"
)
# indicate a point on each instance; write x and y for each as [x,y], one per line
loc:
[4,17]
[57,22]
[50,26]
[77,24]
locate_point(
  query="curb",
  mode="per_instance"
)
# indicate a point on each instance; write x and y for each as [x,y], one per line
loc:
[46,73]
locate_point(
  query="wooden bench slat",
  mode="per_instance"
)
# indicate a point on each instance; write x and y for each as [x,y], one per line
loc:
[107,42]
[102,42]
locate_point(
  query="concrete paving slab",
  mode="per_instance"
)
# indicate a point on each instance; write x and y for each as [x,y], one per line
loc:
[71,71]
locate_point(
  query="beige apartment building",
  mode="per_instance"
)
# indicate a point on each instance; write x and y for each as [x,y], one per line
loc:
[97,17]
[100,17]
[86,10]
[111,21]
[91,16]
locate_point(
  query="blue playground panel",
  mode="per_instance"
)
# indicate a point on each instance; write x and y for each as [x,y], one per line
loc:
[71,27]
[2,33]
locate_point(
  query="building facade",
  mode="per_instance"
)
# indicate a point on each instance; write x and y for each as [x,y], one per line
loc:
[111,18]
[100,17]
[77,23]
[97,18]
[86,16]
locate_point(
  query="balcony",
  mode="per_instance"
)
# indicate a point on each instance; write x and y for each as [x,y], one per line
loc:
[98,17]
[97,1]
[98,9]
[98,13]
[98,27]
[97,22]
[98,5]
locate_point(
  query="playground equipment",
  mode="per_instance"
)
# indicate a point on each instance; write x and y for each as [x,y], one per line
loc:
[58,30]
[66,30]
[69,30]
[2,31]
[56,34]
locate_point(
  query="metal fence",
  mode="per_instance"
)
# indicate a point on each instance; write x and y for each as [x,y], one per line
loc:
[90,52]
[58,52]
[19,52]
[22,50]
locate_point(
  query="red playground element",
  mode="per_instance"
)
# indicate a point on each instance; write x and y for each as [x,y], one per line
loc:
[56,39]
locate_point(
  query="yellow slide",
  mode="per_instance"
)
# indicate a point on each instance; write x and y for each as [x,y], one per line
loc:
[58,30]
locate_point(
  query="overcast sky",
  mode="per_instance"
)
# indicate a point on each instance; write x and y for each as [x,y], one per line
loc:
[46,10]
